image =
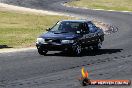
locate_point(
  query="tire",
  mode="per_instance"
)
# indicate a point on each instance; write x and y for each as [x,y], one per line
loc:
[78,49]
[42,52]
[98,45]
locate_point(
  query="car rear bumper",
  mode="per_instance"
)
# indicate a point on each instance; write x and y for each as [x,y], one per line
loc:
[55,47]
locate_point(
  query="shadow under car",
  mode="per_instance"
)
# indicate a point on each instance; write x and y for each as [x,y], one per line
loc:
[86,53]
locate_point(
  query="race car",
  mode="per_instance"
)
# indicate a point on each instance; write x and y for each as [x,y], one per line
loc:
[71,36]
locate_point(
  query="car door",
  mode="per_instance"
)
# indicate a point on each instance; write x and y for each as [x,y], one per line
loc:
[92,35]
[84,32]
[87,36]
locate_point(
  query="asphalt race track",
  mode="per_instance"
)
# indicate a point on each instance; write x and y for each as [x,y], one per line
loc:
[27,69]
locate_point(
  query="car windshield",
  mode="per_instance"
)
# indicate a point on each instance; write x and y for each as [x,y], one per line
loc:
[66,26]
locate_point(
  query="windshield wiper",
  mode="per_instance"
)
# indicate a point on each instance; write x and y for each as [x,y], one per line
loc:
[64,31]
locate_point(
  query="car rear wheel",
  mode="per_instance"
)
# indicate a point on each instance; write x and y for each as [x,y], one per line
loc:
[42,52]
[98,45]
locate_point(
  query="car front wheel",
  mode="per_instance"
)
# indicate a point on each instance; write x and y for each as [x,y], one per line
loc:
[42,52]
[78,49]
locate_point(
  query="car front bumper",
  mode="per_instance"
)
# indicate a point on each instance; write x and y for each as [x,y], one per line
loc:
[55,47]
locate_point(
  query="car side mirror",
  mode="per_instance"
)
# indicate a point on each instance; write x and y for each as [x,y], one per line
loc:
[78,32]
[47,29]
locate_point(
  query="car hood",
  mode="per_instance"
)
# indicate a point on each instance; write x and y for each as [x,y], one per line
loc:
[59,35]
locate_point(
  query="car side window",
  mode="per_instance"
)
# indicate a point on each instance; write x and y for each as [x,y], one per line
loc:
[85,28]
[92,28]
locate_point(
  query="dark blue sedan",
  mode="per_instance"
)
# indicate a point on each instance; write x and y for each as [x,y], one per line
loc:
[71,36]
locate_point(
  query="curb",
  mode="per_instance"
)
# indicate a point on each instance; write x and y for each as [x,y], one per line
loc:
[16,50]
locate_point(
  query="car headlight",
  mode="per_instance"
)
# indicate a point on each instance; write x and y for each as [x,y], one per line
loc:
[67,41]
[40,40]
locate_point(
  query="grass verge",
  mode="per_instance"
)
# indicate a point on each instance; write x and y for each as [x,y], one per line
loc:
[19,30]
[119,5]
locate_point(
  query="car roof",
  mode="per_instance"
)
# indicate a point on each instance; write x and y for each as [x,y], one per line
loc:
[75,21]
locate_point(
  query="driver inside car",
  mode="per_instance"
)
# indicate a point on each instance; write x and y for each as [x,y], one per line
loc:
[83,28]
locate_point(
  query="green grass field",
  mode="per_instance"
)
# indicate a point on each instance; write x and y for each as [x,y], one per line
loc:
[119,5]
[21,30]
